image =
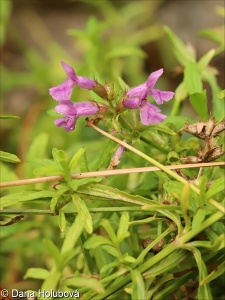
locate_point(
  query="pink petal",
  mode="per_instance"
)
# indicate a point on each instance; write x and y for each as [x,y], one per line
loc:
[85,83]
[62,91]
[152,79]
[150,114]
[68,123]
[86,108]
[67,108]
[132,103]
[161,96]
[69,71]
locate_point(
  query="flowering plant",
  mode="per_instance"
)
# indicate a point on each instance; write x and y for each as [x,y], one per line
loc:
[135,98]
[137,213]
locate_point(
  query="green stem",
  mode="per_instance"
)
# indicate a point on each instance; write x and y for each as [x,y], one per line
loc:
[191,234]
[49,212]
[175,107]
[161,255]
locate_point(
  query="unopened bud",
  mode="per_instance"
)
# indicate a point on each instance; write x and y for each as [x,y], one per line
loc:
[110,91]
[100,91]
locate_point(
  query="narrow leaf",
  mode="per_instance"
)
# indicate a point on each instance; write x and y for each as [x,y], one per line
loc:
[8,157]
[180,50]
[89,283]
[73,234]
[123,227]
[217,186]
[96,241]
[37,273]
[199,102]
[75,159]
[83,212]
[138,286]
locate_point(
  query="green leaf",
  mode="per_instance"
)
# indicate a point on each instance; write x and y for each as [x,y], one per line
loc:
[217,104]
[111,250]
[60,158]
[180,50]
[213,35]
[108,227]
[89,283]
[122,231]
[8,157]
[62,220]
[156,140]
[199,102]
[173,187]
[192,79]
[83,212]
[23,197]
[217,186]
[129,259]
[51,282]
[138,286]
[96,241]
[48,171]
[73,234]
[205,59]
[198,218]
[203,290]
[61,190]
[214,274]
[75,159]
[167,264]
[53,251]
[76,183]
[181,93]
[37,273]
[103,192]
[184,204]
[160,127]
[9,117]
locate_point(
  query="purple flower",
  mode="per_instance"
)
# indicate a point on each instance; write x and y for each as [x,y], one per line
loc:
[140,92]
[64,90]
[136,99]
[73,111]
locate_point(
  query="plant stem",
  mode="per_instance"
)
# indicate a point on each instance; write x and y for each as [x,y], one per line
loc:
[105,173]
[161,255]
[49,212]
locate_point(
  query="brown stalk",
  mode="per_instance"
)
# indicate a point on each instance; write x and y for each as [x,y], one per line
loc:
[106,173]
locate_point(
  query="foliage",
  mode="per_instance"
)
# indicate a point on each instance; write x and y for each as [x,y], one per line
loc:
[148,235]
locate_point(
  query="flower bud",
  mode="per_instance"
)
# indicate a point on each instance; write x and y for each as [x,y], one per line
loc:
[100,90]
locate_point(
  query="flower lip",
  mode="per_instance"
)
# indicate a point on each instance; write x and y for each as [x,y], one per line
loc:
[135,98]
[63,91]
[68,123]
[150,114]
[72,111]
[153,77]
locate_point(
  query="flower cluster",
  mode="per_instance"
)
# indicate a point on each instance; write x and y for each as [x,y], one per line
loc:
[72,111]
[135,98]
